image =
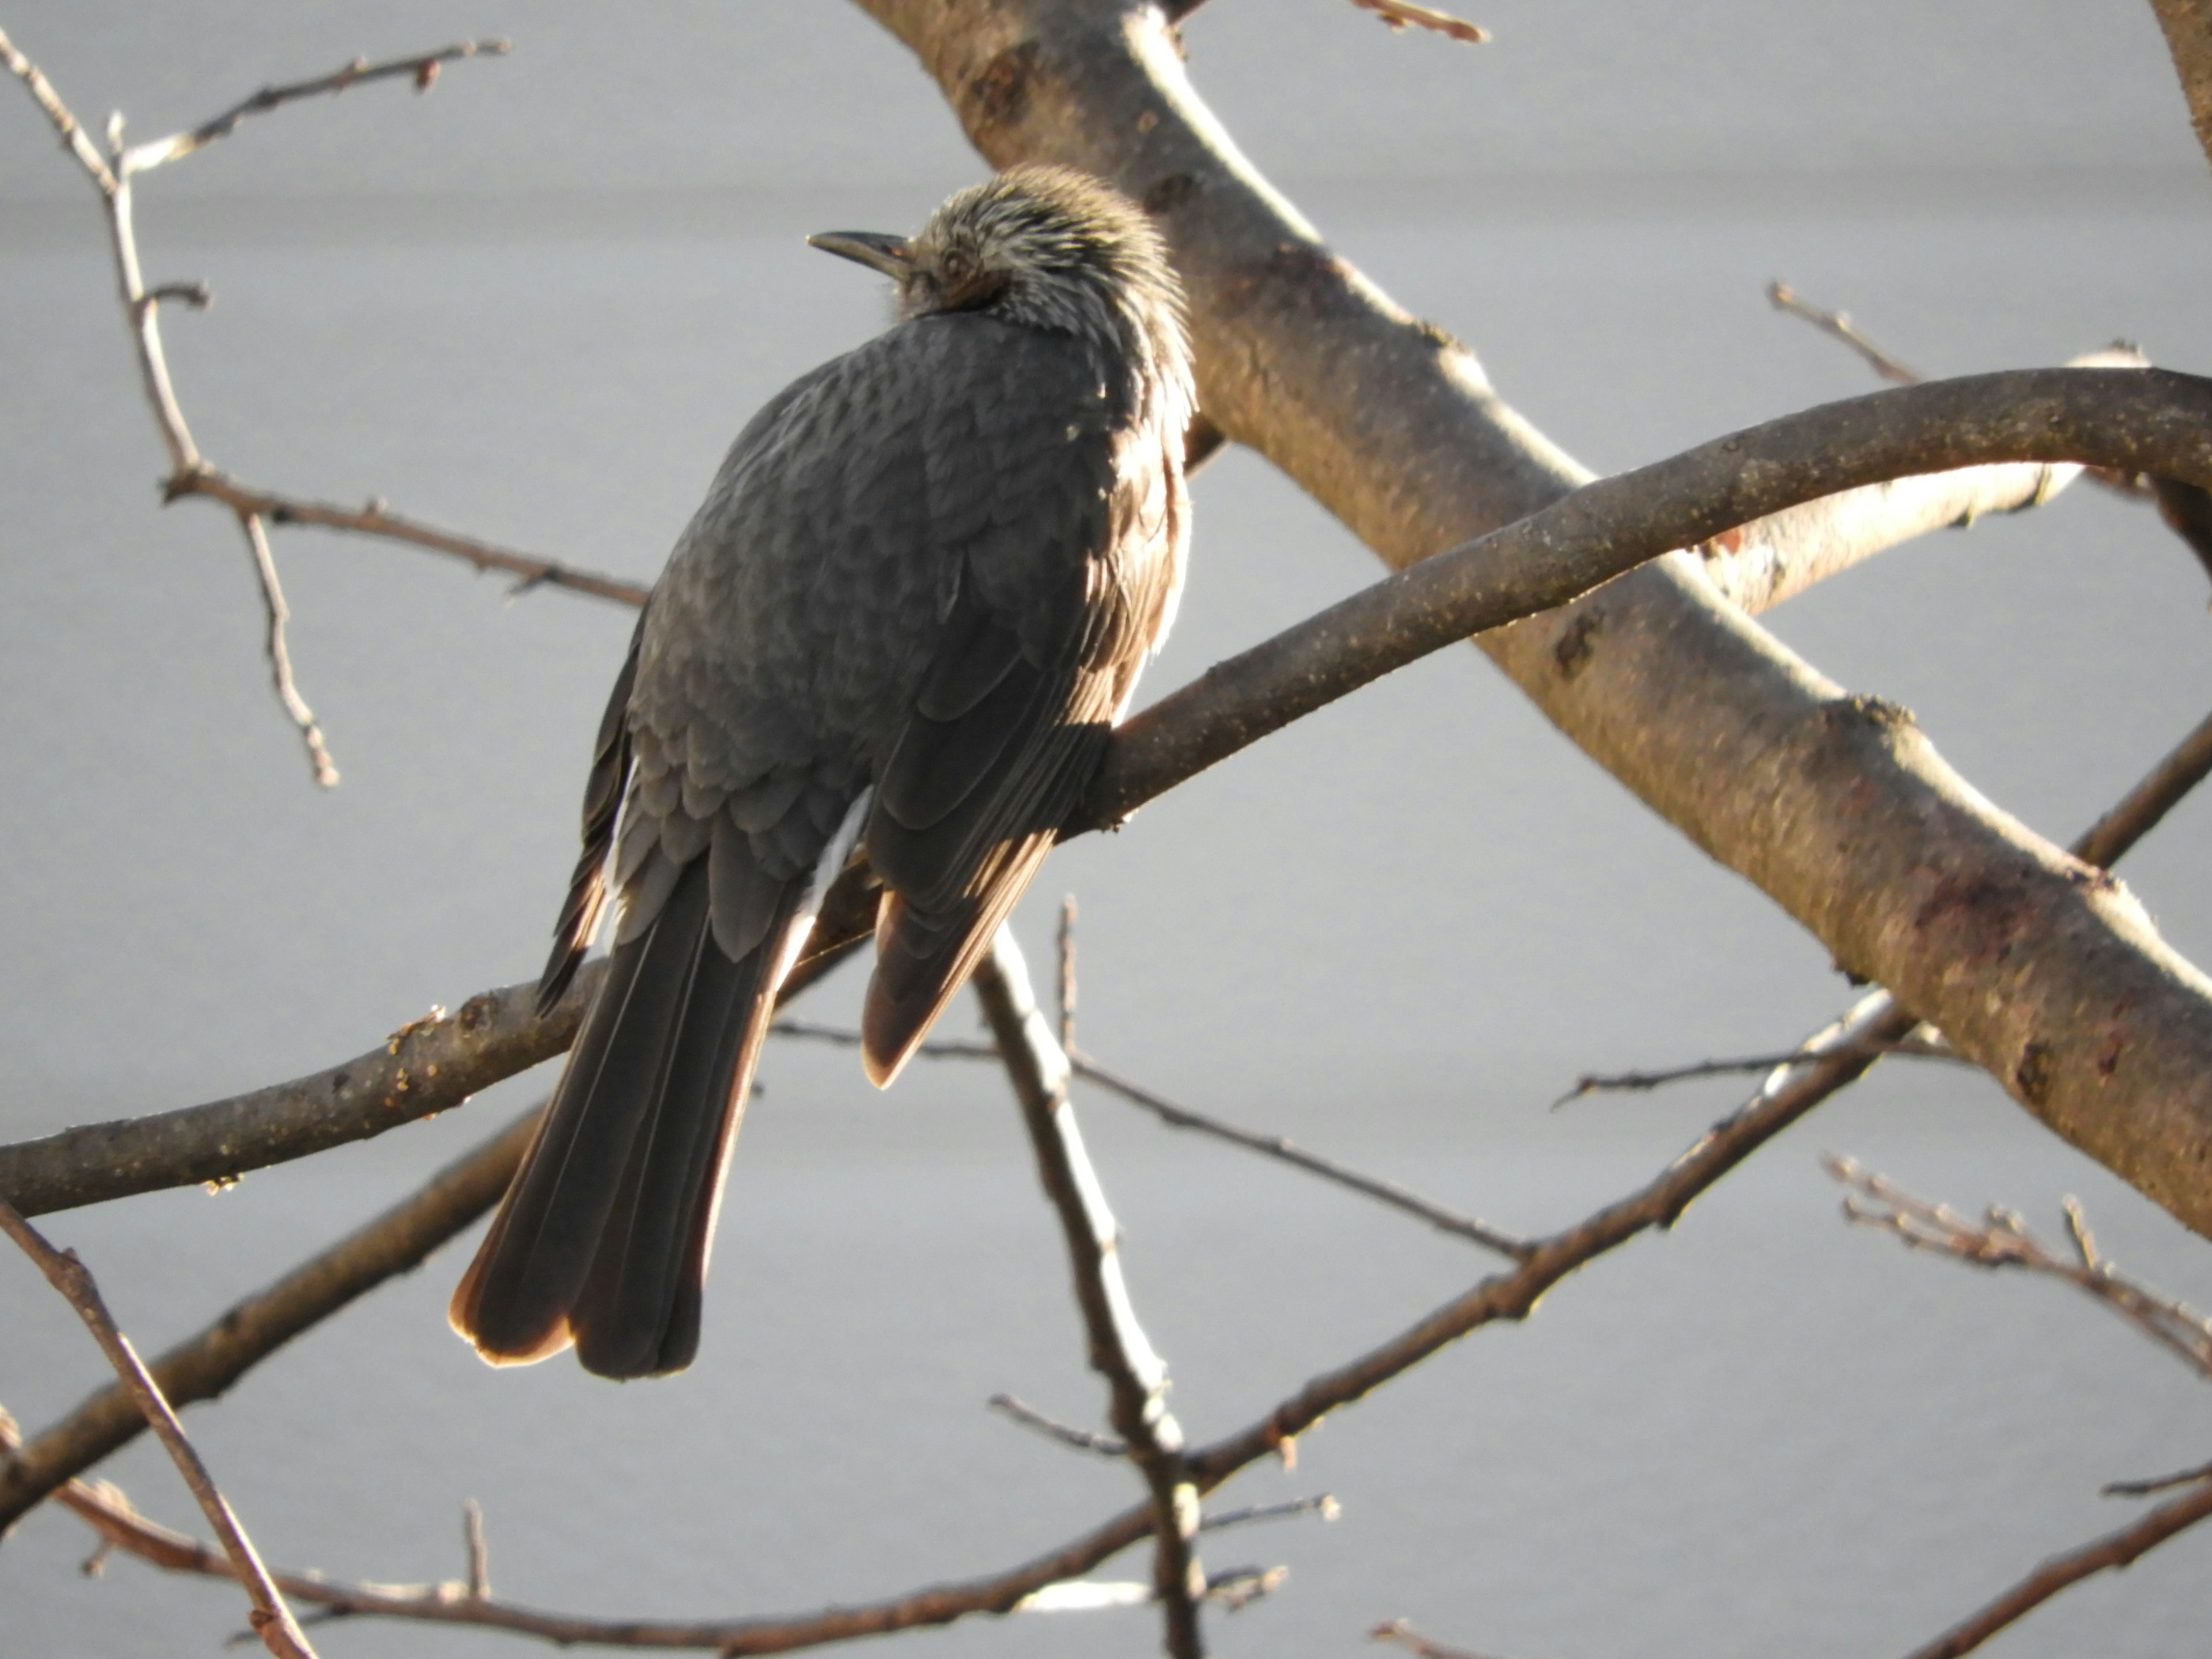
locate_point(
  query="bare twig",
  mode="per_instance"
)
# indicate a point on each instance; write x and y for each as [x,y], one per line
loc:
[2114,1550]
[2156,1483]
[2119,480]
[205,1364]
[422,69]
[1838,323]
[845,1036]
[1398,1630]
[189,472]
[1182,1117]
[280,656]
[1066,940]
[1321,1503]
[1403,14]
[473,1540]
[74,138]
[272,1621]
[376,519]
[1289,1151]
[1052,1429]
[1136,1377]
[2001,1239]
[1627,1082]
[1238,1588]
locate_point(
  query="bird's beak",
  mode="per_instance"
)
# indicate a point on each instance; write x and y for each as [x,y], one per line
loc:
[889,254]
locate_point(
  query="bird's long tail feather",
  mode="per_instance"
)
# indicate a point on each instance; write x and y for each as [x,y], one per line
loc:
[654,1089]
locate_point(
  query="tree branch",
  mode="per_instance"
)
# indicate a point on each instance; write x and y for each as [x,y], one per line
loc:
[423,1068]
[2188,26]
[1136,1376]
[189,472]
[2112,1551]
[422,68]
[272,1621]
[2001,1239]
[375,518]
[1750,480]
[204,1365]
[1403,14]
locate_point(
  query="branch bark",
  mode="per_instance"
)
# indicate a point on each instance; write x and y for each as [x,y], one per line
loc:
[2048,976]
[419,1071]
[2188,26]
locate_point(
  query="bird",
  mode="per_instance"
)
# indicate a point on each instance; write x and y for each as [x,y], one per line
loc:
[897,634]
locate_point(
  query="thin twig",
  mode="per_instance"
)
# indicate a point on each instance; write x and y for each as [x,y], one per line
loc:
[1237,1587]
[74,138]
[1838,324]
[1323,1504]
[2001,1239]
[1403,14]
[2114,1550]
[1136,1376]
[2119,481]
[1052,1428]
[422,68]
[272,1621]
[2155,1483]
[377,518]
[1066,943]
[1182,1117]
[1626,1081]
[473,1540]
[280,656]
[844,1036]
[1398,1630]
[1289,1151]
[188,473]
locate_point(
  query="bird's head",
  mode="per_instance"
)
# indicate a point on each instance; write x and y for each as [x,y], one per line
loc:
[1047,247]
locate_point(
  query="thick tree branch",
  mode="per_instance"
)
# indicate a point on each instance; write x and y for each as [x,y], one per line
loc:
[420,1070]
[204,1365]
[2188,26]
[2052,980]
[425,1067]
[1759,478]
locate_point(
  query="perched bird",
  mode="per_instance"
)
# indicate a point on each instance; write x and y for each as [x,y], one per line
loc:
[900,630]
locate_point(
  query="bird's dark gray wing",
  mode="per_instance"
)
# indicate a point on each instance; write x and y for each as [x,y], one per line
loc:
[1068,555]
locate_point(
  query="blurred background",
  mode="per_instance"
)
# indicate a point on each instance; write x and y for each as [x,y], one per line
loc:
[537,305]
